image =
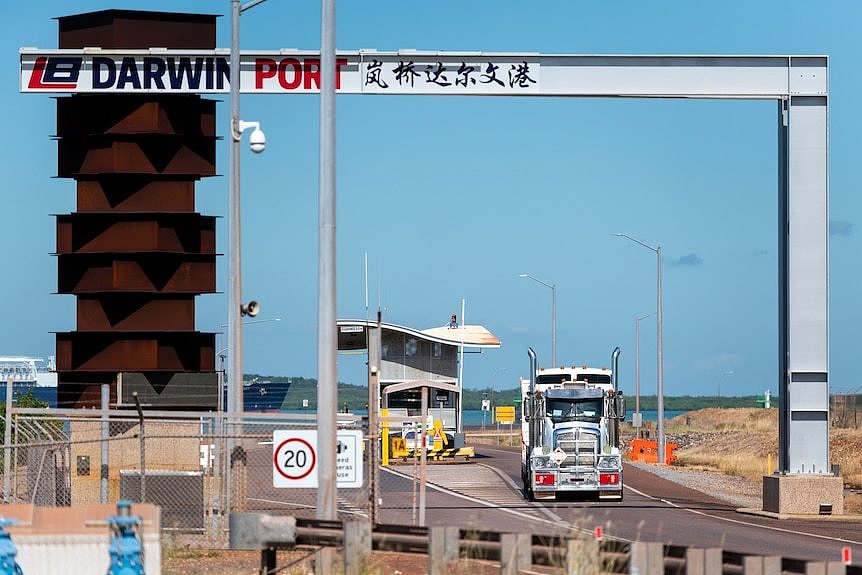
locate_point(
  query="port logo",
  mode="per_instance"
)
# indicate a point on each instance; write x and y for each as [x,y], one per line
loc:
[55,73]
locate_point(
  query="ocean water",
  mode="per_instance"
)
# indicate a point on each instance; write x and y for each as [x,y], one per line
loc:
[474,416]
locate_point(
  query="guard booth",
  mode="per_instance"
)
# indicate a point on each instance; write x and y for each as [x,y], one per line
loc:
[412,360]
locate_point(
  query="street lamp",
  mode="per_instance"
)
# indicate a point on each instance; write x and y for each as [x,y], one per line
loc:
[637,417]
[257,140]
[553,316]
[327,336]
[494,385]
[220,354]
[718,394]
[660,430]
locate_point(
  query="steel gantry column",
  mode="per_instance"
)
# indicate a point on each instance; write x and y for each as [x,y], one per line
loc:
[803,299]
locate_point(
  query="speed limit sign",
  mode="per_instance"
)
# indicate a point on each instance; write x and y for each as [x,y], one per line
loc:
[294,458]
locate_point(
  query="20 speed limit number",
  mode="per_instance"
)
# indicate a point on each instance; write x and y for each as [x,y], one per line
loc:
[294,458]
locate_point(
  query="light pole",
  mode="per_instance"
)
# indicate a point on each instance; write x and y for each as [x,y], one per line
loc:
[637,418]
[553,316]
[660,430]
[485,404]
[327,336]
[220,351]
[718,394]
[221,326]
[258,142]
[494,385]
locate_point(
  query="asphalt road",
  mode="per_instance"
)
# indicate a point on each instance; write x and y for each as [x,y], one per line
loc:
[655,509]
[485,495]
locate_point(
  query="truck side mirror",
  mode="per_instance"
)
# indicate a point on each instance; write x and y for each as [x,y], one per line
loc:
[621,407]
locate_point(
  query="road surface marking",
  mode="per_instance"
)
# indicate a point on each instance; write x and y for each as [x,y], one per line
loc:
[740,522]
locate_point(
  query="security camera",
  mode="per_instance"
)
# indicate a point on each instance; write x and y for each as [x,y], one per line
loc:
[257,141]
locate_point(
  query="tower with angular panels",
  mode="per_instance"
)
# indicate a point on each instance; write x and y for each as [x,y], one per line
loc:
[135,253]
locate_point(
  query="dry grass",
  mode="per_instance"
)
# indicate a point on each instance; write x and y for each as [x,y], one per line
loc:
[744,442]
[503,437]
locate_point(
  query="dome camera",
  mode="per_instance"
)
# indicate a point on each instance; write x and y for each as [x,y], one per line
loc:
[257,141]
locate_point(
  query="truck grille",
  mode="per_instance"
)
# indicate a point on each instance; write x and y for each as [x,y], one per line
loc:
[581,448]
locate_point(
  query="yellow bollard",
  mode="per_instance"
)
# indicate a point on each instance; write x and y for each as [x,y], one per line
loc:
[769,464]
[384,437]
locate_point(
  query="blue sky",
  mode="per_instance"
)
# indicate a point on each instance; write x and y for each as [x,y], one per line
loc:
[452,198]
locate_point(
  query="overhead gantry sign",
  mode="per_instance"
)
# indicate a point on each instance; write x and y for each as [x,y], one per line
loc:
[798,85]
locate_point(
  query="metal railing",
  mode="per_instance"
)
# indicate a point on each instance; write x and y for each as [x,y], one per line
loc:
[514,552]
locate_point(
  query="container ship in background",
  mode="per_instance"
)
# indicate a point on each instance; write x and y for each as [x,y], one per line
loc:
[29,375]
[262,395]
[39,377]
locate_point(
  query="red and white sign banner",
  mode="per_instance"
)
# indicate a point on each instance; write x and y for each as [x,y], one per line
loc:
[283,72]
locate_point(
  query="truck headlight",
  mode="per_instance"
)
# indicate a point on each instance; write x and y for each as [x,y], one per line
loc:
[612,462]
[539,461]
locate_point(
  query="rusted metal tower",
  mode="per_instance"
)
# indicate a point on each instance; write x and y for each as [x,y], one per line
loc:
[135,253]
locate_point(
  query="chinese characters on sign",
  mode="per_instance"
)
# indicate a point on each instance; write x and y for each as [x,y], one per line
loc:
[453,77]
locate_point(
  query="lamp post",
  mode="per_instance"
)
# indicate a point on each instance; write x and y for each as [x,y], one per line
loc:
[258,142]
[553,315]
[494,385]
[718,391]
[220,354]
[660,369]
[327,336]
[637,417]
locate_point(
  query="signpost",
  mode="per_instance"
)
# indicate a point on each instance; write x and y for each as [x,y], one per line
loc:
[295,458]
[348,458]
[486,406]
[505,414]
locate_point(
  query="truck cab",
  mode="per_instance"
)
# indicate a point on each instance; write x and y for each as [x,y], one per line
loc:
[570,432]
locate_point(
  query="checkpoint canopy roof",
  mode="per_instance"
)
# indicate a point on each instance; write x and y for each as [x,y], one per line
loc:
[351,335]
[411,358]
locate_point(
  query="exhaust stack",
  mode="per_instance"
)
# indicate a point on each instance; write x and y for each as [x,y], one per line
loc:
[529,403]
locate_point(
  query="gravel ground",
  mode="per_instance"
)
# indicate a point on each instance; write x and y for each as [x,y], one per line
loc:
[736,490]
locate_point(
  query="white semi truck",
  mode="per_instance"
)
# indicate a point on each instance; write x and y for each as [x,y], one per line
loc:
[570,431]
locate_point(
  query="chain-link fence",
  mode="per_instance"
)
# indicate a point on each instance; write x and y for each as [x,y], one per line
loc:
[845,408]
[198,467]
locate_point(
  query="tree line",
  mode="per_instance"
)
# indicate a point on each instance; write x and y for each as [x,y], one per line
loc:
[355,397]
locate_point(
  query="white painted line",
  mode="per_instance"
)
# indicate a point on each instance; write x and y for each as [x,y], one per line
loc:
[740,522]
[556,521]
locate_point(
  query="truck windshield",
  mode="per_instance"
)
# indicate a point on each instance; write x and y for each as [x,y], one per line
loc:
[558,378]
[560,410]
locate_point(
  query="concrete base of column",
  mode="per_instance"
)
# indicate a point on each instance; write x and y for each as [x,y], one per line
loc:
[798,494]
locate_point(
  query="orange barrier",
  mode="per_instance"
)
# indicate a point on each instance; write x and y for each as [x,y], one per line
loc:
[647,451]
